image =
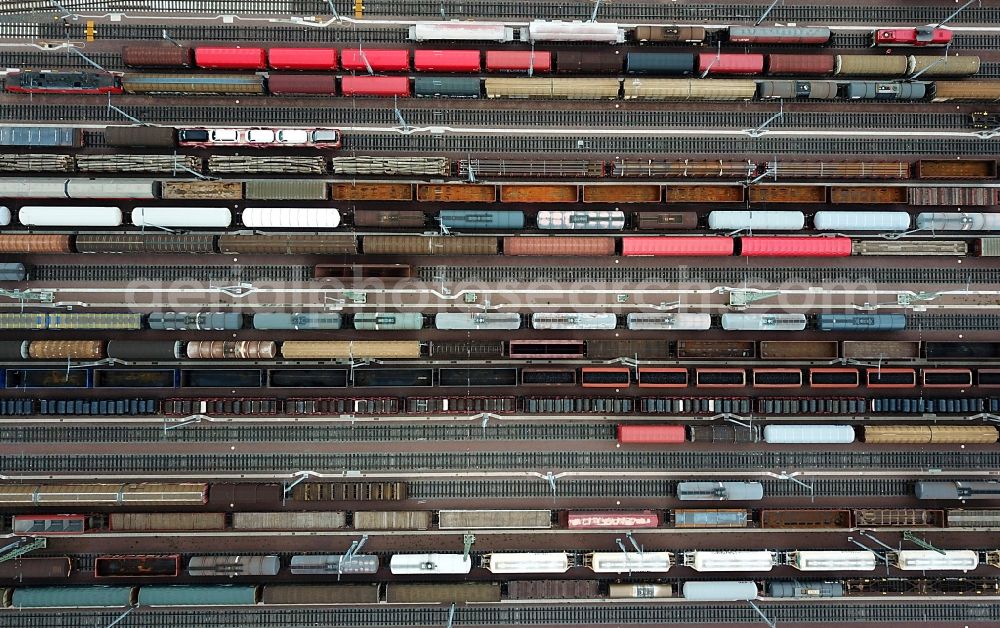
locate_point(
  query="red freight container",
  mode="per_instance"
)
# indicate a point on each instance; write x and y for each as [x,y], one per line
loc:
[651,434]
[386,60]
[804,65]
[302,58]
[446,60]
[375,86]
[230,58]
[612,520]
[325,84]
[575,246]
[157,56]
[730,63]
[518,60]
[676,245]
[805,246]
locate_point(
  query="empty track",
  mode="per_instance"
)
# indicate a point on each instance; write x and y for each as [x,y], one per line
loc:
[166,464]
[843,612]
[362,115]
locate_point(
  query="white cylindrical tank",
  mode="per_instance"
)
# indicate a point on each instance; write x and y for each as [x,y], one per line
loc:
[760,220]
[691,321]
[958,221]
[55,216]
[780,434]
[861,221]
[182,217]
[823,560]
[756,560]
[4,216]
[410,564]
[929,560]
[291,217]
[634,562]
[477,320]
[531,562]
[707,591]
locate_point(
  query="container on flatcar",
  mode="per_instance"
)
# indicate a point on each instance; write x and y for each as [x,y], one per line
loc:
[639,590]
[798,589]
[645,434]
[708,591]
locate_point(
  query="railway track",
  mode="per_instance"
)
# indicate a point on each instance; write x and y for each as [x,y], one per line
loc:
[506,489]
[130,273]
[846,612]
[306,433]
[487,118]
[523,11]
[724,276]
[178,463]
[538,143]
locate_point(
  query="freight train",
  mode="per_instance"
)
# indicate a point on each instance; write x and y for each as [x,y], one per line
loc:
[778,434]
[635,88]
[412,321]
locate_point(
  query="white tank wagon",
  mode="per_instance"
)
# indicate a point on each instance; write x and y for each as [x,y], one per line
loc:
[629,562]
[477,320]
[720,491]
[291,217]
[461,31]
[424,564]
[234,566]
[755,560]
[5,216]
[786,434]
[79,188]
[198,217]
[575,320]
[527,562]
[930,560]
[85,216]
[681,321]
[707,591]
[828,560]
[764,322]
[598,32]
[756,220]
[861,221]
[958,221]
[334,564]
[596,220]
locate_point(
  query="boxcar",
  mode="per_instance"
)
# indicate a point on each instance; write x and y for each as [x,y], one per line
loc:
[376,59]
[302,59]
[518,61]
[451,87]
[230,58]
[650,434]
[494,519]
[377,86]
